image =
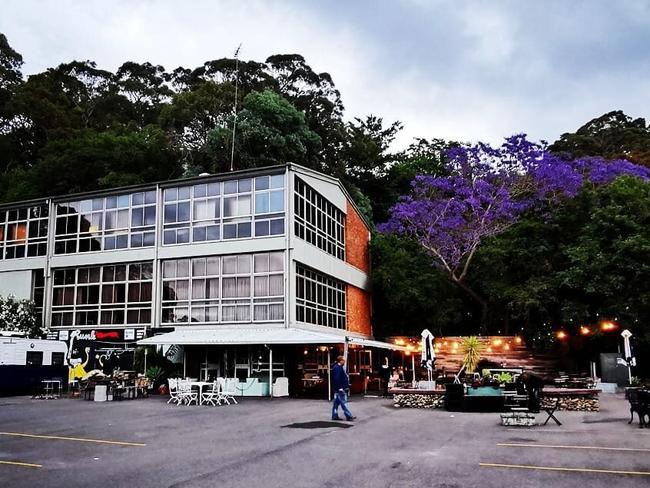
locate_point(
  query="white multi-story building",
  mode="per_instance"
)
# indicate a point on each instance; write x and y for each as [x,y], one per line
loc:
[221,269]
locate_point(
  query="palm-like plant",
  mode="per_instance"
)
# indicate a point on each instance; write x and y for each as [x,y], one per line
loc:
[472,348]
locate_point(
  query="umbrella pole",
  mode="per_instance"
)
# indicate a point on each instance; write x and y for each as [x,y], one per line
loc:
[413,368]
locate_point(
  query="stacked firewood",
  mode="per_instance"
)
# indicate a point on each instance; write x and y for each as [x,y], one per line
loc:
[576,403]
[413,400]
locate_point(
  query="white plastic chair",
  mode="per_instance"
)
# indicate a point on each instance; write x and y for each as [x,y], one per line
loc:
[212,395]
[186,393]
[229,390]
[173,391]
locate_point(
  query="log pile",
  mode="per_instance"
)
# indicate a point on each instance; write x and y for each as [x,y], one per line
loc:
[575,403]
[414,400]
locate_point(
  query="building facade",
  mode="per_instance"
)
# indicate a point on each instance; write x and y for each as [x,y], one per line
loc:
[275,247]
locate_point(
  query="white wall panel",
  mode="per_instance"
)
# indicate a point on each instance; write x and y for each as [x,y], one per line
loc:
[18,283]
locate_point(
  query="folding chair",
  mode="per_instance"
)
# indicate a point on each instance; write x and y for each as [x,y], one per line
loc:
[550,411]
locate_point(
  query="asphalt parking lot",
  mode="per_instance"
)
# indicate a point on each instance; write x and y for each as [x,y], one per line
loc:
[292,443]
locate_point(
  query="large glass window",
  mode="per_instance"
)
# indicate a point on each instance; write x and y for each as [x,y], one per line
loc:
[118,294]
[318,221]
[38,292]
[239,288]
[23,232]
[234,209]
[320,299]
[106,223]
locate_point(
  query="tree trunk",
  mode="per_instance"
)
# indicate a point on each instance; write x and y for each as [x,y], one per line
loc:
[478,299]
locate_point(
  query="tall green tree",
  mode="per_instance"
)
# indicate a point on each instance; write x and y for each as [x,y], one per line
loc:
[12,125]
[270,130]
[145,87]
[409,294]
[613,135]
[190,118]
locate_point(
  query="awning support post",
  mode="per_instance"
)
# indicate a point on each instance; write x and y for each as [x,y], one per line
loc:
[270,372]
[329,376]
[206,364]
[345,352]
[184,364]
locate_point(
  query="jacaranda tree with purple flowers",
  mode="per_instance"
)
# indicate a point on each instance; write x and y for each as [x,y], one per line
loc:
[486,191]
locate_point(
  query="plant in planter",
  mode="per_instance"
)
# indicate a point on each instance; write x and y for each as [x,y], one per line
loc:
[157,376]
[472,349]
[504,378]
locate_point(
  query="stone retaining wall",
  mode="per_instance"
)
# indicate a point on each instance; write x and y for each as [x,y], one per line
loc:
[415,400]
[574,403]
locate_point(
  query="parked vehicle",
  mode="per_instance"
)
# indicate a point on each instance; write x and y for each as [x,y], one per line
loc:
[25,363]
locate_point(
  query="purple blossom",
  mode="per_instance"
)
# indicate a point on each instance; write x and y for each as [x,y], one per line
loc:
[487,190]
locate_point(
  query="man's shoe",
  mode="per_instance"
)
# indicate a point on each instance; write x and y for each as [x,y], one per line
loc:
[336,418]
[350,419]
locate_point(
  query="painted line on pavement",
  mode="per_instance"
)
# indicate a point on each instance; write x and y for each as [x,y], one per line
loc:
[539,430]
[597,448]
[558,468]
[76,439]
[21,464]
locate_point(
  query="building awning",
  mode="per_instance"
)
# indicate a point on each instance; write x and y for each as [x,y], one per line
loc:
[235,336]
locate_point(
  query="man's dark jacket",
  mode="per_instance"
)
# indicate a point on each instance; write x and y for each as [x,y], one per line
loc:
[340,378]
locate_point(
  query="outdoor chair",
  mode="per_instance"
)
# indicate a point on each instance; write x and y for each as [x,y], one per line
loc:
[186,394]
[229,390]
[212,395]
[550,411]
[173,391]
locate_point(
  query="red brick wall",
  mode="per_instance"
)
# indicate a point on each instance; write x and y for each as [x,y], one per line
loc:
[358,310]
[357,240]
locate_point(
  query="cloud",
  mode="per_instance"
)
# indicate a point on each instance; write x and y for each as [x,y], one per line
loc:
[470,71]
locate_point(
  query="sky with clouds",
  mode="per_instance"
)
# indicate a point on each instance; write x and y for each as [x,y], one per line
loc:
[461,70]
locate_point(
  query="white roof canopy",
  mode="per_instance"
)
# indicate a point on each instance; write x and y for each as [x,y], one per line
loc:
[243,336]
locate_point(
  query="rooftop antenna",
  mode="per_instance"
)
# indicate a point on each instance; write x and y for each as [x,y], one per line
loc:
[234,123]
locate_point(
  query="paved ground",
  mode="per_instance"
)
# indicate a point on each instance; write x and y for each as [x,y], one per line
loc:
[291,443]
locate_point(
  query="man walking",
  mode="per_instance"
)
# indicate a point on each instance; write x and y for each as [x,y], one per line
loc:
[341,385]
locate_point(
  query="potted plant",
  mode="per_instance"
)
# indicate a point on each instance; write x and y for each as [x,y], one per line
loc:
[472,349]
[156,376]
[504,378]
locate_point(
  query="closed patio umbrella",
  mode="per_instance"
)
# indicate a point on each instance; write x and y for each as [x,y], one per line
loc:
[428,354]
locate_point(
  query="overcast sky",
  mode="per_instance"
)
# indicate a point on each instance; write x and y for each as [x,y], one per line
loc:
[462,70]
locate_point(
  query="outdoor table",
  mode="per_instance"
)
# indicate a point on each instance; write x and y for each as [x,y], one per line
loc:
[49,389]
[200,385]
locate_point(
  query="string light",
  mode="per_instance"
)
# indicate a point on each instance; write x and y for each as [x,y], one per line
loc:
[608,325]
[561,335]
[584,330]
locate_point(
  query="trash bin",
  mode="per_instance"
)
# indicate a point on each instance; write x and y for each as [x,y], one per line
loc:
[454,394]
[100,393]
